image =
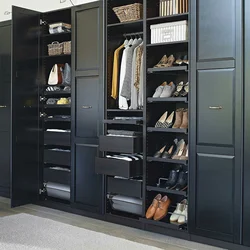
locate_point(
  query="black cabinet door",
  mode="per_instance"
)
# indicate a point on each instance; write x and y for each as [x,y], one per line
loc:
[87,104]
[25,111]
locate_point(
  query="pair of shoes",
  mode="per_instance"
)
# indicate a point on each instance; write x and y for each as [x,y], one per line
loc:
[181,60]
[63,101]
[165,154]
[181,152]
[181,90]
[164,121]
[177,180]
[181,119]
[180,214]
[164,90]
[159,208]
[165,62]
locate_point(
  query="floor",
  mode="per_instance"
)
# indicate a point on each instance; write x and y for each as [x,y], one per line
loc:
[157,240]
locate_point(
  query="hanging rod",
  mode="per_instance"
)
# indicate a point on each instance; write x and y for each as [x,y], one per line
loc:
[133,34]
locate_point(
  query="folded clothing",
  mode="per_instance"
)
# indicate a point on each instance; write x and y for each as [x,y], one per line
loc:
[124,132]
[126,157]
[60,169]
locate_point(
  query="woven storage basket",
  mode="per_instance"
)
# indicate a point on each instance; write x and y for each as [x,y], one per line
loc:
[55,48]
[67,47]
[129,12]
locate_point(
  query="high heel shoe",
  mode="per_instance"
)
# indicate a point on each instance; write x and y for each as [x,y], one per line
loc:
[159,123]
[184,124]
[178,118]
[179,88]
[159,90]
[162,63]
[168,154]
[170,62]
[178,61]
[185,91]
[168,90]
[185,60]
[184,156]
[159,153]
[169,121]
[179,151]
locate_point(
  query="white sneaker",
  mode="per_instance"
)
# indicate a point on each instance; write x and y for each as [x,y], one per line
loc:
[183,217]
[177,212]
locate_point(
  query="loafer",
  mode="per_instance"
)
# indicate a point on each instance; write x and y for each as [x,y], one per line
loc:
[153,207]
[159,90]
[168,90]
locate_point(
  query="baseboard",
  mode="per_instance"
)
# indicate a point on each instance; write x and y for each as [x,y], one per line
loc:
[5,192]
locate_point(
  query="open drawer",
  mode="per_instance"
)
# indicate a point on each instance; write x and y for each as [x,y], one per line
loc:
[130,145]
[57,138]
[56,175]
[57,157]
[132,188]
[115,167]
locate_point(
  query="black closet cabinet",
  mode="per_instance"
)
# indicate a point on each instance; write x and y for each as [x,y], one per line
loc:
[216,119]
[5,101]
[28,70]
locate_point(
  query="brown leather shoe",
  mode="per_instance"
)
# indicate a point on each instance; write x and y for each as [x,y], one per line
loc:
[162,210]
[185,119]
[178,118]
[152,208]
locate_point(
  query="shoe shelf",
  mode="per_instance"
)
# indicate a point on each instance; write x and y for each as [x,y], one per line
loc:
[56,56]
[169,43]
[127,24]
[163,19]
[57,34]
[167,130]
[125,110]
[167,69]
[125,122]
[169,99]
[166,191]
[57,106]
[56,119]
[154,159]
[56,93]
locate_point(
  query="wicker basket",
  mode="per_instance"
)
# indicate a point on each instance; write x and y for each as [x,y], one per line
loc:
[67,47]
[55,48]
[129,12]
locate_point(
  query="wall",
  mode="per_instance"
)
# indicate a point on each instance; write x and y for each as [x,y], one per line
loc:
[38,5]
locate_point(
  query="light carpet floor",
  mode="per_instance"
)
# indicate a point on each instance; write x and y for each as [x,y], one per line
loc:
[28,232]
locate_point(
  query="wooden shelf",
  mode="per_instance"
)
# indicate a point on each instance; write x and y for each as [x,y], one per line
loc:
[166,191]
[153,159]
[163,19]
[128,122]
[168,99]
[167,69]
[169,43]
[57,106]
[167,130]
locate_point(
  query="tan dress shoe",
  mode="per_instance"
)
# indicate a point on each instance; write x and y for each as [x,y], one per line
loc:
[162,210]
[153,207]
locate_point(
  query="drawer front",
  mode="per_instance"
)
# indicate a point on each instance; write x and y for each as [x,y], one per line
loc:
[55,138]
[128,145]
[56,176]
[57,157]
[124,187]
[114,167]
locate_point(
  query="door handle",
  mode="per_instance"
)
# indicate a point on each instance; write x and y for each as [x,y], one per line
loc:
[3,106]
[215,107]
[87,107]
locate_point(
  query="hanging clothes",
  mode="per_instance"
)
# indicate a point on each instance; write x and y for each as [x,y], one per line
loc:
[116,68]
[140,96]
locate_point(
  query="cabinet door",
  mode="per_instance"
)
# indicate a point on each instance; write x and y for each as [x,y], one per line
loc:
[25,111]
[87,104]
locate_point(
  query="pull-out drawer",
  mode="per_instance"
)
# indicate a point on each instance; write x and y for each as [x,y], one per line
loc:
[130,145]
[57,138]
[56,175]
[115,167]
[132,188]
[57,157]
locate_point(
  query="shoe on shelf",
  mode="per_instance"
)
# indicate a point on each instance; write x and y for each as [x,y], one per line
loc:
[172,179]
[179,151]
[159,123]
[162,63]
[184,156]
[159,153]
[171,60]
[182,181]
[159,90]
[183,218]
[169,121]
[185,91]
[184,124]
[178,118]
[162,209]
[185,60]
[179,89]
[178,61]
[168,90]
[178,211]
[153,207]
[168,153]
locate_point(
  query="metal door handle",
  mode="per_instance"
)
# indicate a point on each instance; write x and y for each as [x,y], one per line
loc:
[3,106]
[215,107]
[87,107]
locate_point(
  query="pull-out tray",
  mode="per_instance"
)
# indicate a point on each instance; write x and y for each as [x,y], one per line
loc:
[120,144]
[132,188]
[57,157]
[56,175]
[115,167]
[57,138]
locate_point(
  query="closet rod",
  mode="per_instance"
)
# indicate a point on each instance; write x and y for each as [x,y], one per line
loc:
[133,34]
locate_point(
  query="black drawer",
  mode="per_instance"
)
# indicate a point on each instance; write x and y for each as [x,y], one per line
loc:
[120,144]
[114,167]
[57,157]
[131,188]
[57,138]
[56,176]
